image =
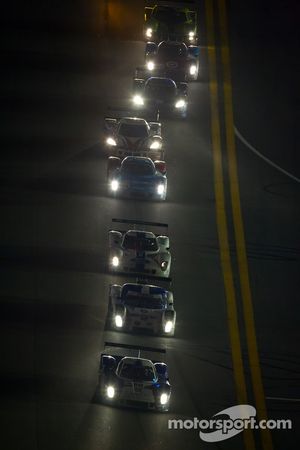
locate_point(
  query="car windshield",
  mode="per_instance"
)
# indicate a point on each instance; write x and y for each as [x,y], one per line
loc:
[169,16]
[137,372]
[133,130]
[141,244]
[144,301]
[171,51]
[137,168]
[160,89]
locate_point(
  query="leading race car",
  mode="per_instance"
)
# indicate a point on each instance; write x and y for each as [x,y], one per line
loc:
[170,59]
[133,136]
[138,251]
[137,176]
[171,20]
[160,95]
[129,380]
[142,307]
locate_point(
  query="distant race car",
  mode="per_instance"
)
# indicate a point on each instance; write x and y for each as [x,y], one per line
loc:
[170,59]
[133,136]
[129,380]
[172,20]
[137,176]
[160,95]
[138,251]
[142,307]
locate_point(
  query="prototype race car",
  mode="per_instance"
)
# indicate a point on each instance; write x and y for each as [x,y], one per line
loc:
[171,20]
[133,136]
[137,176]
[138,251]
[161,95]
[170,59]
[126,379]
[142,307]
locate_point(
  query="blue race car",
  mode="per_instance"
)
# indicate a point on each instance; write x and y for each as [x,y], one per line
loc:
[142,308]
[129,380]
[137,176]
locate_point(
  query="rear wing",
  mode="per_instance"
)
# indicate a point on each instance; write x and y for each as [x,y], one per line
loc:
[180,4]
[119,350]
[136,222]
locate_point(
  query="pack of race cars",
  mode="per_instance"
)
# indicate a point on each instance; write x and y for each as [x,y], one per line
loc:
[134,375]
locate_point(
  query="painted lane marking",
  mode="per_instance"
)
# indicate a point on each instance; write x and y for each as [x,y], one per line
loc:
[248,313]
[264,158]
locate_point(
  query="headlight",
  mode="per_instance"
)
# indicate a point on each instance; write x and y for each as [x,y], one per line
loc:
[191,35]
[115,261]
[193,69]
[168,326]
[150,65]
[164,265]
[180,104]
[138,100]
[110,392]
[111,141]
[119,321]
[160,189]
[114,185]
[164,399]
[149,32]
[155,145]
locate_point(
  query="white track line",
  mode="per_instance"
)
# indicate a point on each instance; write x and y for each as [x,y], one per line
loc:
[267,160]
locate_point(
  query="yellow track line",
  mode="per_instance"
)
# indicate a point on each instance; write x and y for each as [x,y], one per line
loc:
[239,231]
[232,316]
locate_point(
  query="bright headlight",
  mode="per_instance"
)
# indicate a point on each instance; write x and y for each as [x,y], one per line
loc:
[115,261]
[193,69]
[110,392]
[164,399]
[149,32]
[160,189]
[168,326]
[180,104]
[191,35]
[150,65]
[155,145]
[114,185]
[138,100]
[111,141]
[164,265]
[118,321]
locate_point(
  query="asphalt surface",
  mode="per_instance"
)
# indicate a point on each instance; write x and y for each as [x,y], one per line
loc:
[54,284]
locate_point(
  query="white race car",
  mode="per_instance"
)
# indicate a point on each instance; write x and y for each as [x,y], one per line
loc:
[142,308]
[138,251]
[127,379]
[133,136]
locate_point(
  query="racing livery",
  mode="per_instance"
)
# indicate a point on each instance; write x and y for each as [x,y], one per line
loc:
[129,380]
[170,59]
[133,136]
[161,95]
[138,251]
[142,307]
[171,20]
[137,176]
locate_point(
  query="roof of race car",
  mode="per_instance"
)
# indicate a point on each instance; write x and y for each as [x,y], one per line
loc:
[140,234]
[146,289]
[133,121]
[138,160]
[160,81]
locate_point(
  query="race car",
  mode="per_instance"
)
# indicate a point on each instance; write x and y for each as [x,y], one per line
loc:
[171,20]
[137,176]
[129,380]
[161,95]
[133,136]
[170,59]
[138,251]
[142,307]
